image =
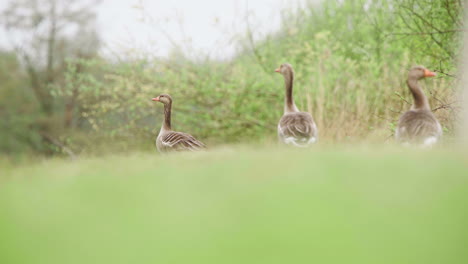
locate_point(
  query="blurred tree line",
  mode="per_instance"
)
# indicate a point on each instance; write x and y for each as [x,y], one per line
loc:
[45,36]
[57,95]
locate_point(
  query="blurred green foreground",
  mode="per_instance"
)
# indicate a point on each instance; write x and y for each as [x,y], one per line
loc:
[239,206]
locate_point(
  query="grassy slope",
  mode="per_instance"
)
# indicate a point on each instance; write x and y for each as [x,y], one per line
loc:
[238,206]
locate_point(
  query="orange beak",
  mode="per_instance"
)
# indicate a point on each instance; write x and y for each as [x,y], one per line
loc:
[156,99]
[428,73]
[277,70]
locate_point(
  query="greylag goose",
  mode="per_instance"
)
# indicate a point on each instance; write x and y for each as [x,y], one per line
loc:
[169,140]
[418,125]
[294,128]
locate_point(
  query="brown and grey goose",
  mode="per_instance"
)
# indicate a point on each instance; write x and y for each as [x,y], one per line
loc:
[169,140]
[418,126]
[294,128]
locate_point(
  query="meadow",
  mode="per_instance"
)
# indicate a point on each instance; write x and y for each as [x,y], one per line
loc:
[367,204]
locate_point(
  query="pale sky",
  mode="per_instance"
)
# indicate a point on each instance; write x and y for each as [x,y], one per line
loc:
[197,26]
[132,27]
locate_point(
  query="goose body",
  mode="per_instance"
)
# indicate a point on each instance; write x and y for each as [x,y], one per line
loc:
[418,126]
[295,128]
[169,140]
[177,141]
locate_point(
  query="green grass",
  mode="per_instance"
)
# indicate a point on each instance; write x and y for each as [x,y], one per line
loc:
[239,205]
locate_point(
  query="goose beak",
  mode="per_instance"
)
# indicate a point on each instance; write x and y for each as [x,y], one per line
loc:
[428,73]
[156,99]
[277,70]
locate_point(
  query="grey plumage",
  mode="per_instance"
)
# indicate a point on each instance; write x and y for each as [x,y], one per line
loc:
[297,129]
[294,128]
[169,140]
[177,141]
[419,125]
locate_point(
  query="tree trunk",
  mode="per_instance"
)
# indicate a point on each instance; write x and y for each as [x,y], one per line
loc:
[463,128]
[71,103]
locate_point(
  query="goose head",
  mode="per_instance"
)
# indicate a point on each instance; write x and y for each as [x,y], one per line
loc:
[163,98]
[284,69]
[419,72]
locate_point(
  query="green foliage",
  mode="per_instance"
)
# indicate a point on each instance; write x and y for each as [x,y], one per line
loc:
[238,206]
[18,109]
[350,71]
[350,58]
[431,29]
[209,100]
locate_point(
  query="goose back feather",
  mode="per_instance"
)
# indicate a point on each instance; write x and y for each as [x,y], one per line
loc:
[418,127]
[297,129]
[177,141]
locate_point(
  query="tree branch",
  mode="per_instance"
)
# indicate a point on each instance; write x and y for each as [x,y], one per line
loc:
[59,144]
[402,98]
[427,33]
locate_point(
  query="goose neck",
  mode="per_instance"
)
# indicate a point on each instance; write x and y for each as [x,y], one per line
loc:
[420,100]
[289,105]
[167,117]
